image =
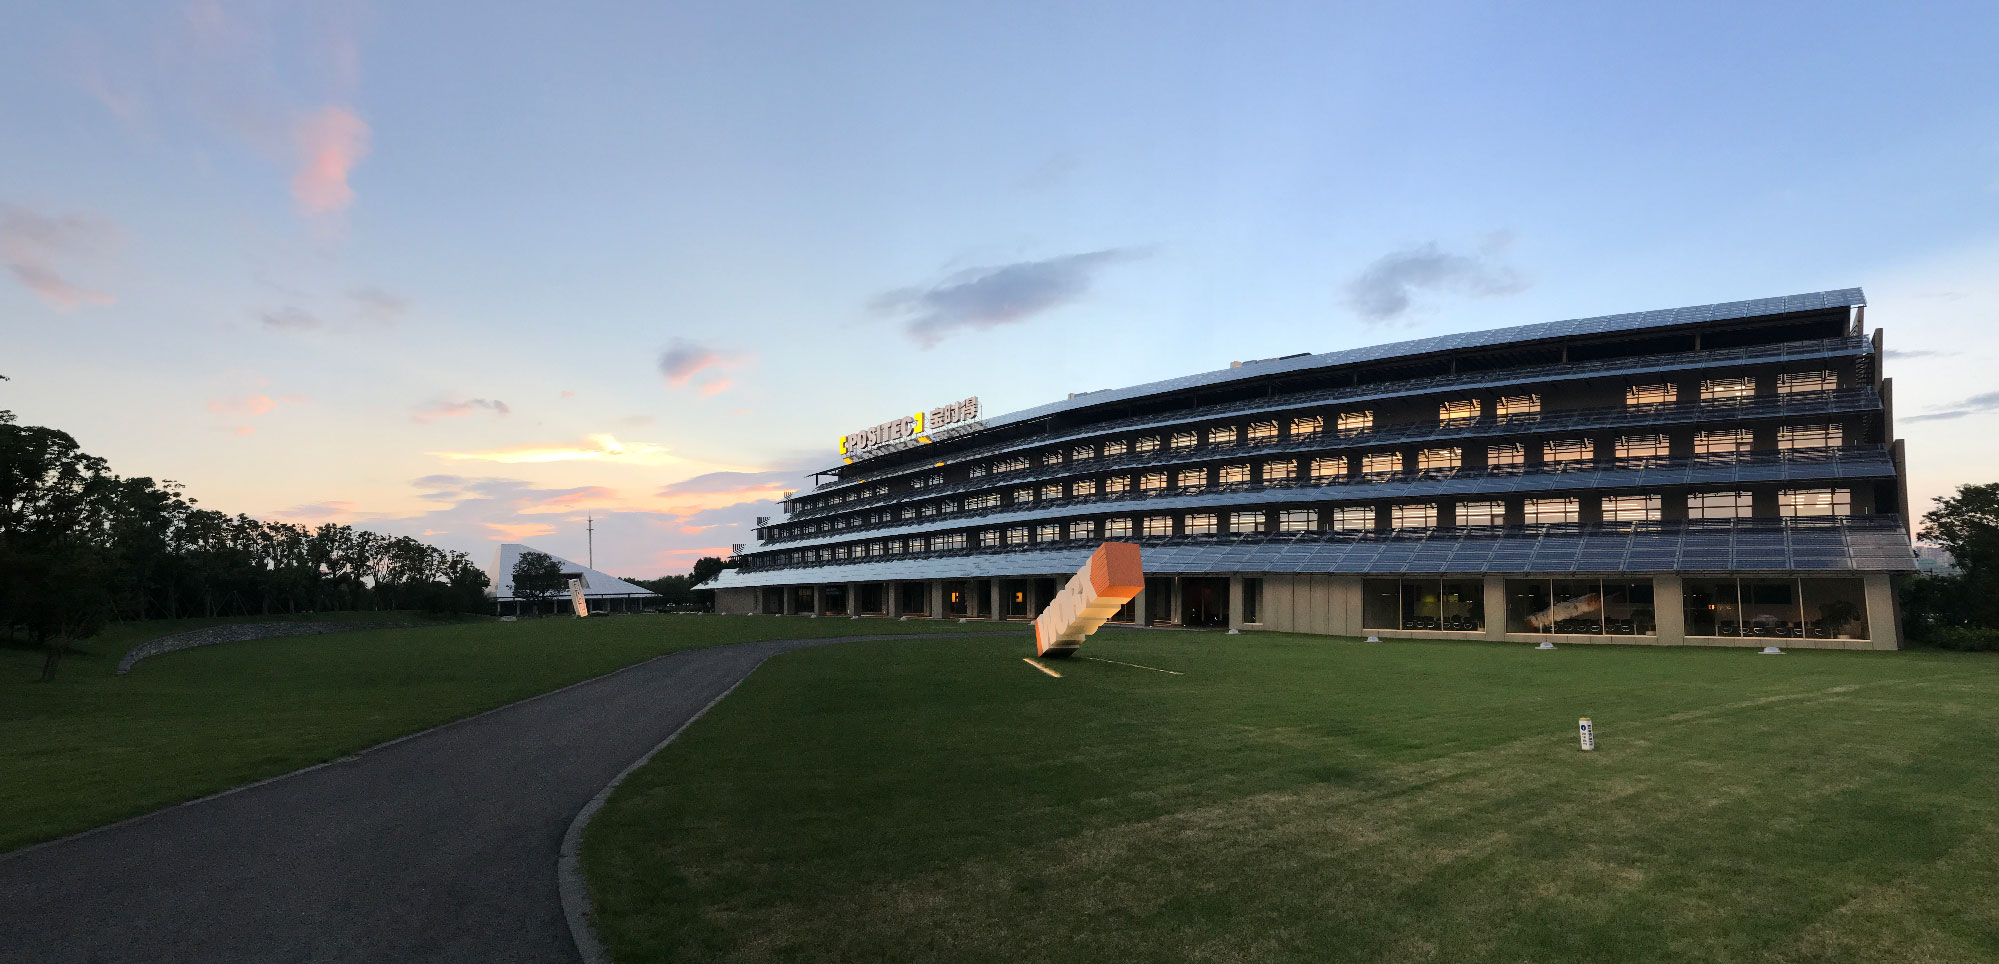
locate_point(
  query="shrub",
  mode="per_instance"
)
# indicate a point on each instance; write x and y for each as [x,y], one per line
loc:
[1965,638]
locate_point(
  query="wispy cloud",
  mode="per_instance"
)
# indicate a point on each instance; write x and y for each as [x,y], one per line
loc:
[1903,353]
[684,360]
[374,304]
[255,404]
[458,408]
[32,244]
[601,447]
[290,319]
[1386,290]
[515,532]
[980,298]
[1975,405]
[318,511]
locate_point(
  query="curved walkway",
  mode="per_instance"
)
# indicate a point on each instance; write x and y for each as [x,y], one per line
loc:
[437,847]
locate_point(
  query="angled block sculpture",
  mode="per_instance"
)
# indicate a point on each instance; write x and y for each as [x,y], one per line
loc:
[1098,590]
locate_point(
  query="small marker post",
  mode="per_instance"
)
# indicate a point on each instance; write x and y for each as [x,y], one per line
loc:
[1587,732]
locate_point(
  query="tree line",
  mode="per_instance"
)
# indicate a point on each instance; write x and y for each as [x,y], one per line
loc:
[1958,610]
[81,546]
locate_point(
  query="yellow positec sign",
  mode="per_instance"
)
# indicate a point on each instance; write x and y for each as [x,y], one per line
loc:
[911,428]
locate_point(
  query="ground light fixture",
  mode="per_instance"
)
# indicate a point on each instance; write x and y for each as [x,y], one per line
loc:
[1771,651]
[1545,645]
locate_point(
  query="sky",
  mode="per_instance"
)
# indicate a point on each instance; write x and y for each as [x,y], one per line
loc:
[477,271]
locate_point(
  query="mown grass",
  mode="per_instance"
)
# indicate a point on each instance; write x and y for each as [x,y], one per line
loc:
[1310,799]
[92,747]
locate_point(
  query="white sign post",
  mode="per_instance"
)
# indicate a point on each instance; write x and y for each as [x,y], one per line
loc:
[576,598]
[1588,733]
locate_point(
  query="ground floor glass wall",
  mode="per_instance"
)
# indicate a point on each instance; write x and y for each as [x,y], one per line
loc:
[1778,607]
[1451,605]
[1589,607]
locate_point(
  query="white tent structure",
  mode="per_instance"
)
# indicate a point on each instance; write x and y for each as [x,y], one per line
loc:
[602,592]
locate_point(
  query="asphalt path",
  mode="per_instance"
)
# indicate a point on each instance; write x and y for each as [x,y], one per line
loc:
[437,847]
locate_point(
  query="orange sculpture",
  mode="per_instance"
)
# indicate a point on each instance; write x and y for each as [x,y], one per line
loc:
[1098,590]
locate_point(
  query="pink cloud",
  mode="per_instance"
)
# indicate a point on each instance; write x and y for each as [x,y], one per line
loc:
[245,430]
[458,408]
[684,359]
[716,387]
[504,532]
[318,511]
[330,142]
[252,405]
[31,245]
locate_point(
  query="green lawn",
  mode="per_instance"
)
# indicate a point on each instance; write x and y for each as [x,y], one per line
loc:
[92,747]
[1310,799]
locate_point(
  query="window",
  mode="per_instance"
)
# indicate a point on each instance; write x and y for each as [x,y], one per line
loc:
[1011,465]
[1353,518]
[1158,525]
[1232,475]
[1481,513]
[1727,389]
[1518,407]
[1082,487]
[1117,528]
[1199,524]
[989,538]
[1439,460]
[917,544]
[955,540]
[1307,426]
[1283,471]
[1185,440]
[1458,413]
[1381,463]
[1546,511]
[895,547]
[1250,521]
[929,510]
[1082,453]
[1149,443]
[1051,458]
[1718,505]
[1663,393]
[1631,508]
[947,506]
[1568,452]
[1052,491]
[1261,433]
[1296,520]
[1793,383]
[1819,608]
[1814,502]
[1722,444]
[1643,448]
[1085,529]
[977,502]
[1016,536]
[1023,496]
[976,472]
[1331,467]
[1506,458]
[1117,485]
[874,548]
[1354,423]
[1192,479]
[1114,448]
[1580,607]
[1152,482]
[1808,436]
[1423,605]
[1222,435]
[1048,532]
[1422,515]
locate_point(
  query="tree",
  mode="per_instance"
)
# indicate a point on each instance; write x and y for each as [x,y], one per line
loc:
[1967,524]
[706,568]
[537,576]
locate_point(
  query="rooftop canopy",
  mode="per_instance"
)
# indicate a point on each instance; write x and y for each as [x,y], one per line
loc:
[595,584]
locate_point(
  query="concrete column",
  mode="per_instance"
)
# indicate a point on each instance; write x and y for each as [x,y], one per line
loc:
[1884,621]
[1669,608]
[1140,614]
[1495,607]
[818,600]
[1033,588]
[790,599]
[1235,602]
[1179,605]
[893,600]
[853,599]
[936,599]
[999,604]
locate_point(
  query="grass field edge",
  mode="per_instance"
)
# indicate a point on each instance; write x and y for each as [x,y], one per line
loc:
[336,761]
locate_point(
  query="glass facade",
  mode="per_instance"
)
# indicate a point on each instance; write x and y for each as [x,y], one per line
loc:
[1581,607]
[1779,607]
[1436,605]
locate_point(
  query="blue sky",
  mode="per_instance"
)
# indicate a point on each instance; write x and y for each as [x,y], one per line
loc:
[474,270]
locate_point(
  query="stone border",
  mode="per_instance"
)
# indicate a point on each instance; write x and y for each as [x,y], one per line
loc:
[237,633]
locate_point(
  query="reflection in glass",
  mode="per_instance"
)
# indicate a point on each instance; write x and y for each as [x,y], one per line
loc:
[1527,606]
[1419,604]
[1578,607]
[1770,608]
[1627,609]
[1380,604]
[1462,606]
[1711,607]
[1835,609]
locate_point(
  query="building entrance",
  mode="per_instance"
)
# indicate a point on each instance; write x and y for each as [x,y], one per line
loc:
[1204,602]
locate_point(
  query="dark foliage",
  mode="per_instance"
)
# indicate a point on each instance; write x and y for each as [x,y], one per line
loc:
[80,546]
[1958,610]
